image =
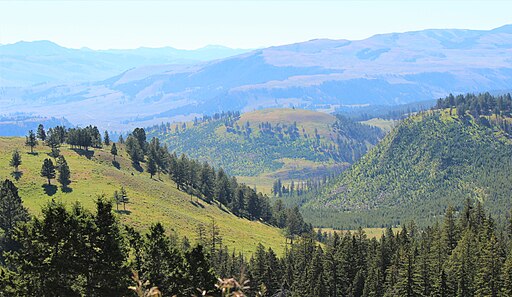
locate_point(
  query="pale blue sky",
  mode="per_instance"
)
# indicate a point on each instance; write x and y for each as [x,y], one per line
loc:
[242,24]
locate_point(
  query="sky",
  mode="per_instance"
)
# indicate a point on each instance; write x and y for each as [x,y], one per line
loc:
[234,23]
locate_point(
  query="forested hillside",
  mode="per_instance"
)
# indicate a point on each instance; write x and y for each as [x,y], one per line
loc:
[89,253]
[139,200]
[272,143]
[462,149]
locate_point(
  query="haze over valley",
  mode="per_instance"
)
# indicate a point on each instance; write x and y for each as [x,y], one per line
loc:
[256,148]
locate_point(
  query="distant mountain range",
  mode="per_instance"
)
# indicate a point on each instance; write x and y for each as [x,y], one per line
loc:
[27,63]
[318,74]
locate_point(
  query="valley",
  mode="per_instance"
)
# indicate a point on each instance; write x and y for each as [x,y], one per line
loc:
[263,146]
[255,148]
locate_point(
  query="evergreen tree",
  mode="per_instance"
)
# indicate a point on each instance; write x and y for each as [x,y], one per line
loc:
[140,135]
[113,150]
[199,273]
[162,263]
[462,265]
[31,141]
[450,235]
[488,278]
[41,134]
[106,139]
[109,269]
[207,181]
[118,199]
[134,149]
[409,275]
[124,197]
[506,274]
[121,139]
[151,166]
[15,160]
[48,170]
[64,172]
[12,212]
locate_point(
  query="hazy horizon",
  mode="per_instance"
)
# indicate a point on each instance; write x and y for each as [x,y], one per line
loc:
[103,25]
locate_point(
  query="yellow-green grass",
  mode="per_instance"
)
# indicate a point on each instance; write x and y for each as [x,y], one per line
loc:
[385,125]
[307,119]
[151,200]
[265,181]
[370,232]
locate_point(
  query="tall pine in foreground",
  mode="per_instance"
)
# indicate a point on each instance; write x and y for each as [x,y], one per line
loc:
[12,212]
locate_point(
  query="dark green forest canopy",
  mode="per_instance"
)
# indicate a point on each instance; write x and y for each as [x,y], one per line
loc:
[81,253]
[433,159]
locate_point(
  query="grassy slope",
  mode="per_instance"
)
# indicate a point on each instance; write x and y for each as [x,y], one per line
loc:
[428,162]
[151,200]
[307,119]
[384,125]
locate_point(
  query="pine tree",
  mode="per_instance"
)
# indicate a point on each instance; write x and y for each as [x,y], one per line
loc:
[41,134]
[118,199]
[31,141]
[506,275]
[134,150]
[113,150]
[162,263]
[121,139]
[315,275]
[151,166]
[15,160]
[12,212]
[462,265]
[64,173]
[488,280]
[109,268]
[450,235]
[124,197]
[106,139]
[48,170]
[199,273]
[409,276]
[207,182]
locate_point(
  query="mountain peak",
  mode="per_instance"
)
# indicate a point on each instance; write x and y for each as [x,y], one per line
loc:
[37,48]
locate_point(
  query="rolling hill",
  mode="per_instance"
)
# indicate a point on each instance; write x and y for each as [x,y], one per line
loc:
[431,160]
[150,200]
[262,146]
[318,74]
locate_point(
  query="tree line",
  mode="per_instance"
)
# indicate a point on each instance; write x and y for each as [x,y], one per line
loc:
[203,181]
[75,252]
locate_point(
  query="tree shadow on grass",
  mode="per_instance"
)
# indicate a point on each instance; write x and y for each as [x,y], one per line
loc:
[137,167]
[17,175]
[84,153]
[33,153]
[116,164]
[221,207]
[196,204]
[66,189]
[125,212]
[49,190]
